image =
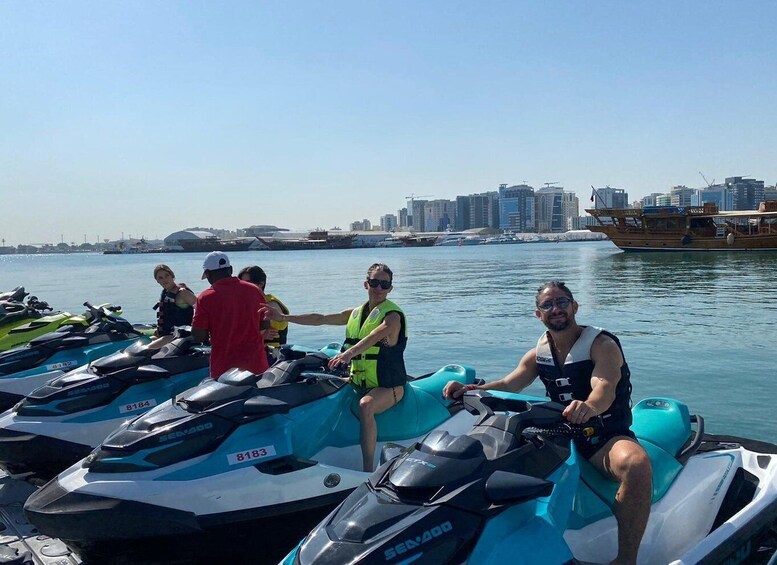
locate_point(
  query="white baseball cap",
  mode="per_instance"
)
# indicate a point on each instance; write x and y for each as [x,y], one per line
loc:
[214,261]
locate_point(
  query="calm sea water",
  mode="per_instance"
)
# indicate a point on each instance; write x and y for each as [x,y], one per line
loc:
[698,327]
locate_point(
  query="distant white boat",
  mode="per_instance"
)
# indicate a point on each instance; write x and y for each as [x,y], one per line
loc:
[502,239]
[389,242]
[459,239]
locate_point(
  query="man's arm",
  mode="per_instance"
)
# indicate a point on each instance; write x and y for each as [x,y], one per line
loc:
[338,319]
[200,323]
[608,360]
[522,376]
[200,335]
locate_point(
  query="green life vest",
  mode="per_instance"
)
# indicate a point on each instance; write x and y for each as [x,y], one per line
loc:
[380,365]
[282,327]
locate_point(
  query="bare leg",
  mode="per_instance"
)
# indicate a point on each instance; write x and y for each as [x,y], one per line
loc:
[376,401]
[626,462]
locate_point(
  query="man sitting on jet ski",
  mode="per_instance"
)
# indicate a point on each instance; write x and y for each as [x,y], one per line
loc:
[375,340]
[583,367]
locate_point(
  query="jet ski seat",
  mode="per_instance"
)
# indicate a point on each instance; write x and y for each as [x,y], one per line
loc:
[422,407]
[662,427]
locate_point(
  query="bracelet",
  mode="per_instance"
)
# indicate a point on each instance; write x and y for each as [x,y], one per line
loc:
[470,387]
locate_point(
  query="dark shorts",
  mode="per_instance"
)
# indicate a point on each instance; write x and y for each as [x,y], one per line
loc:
[360,389]
[589,446]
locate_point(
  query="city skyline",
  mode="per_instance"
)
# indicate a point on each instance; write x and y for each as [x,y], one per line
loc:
[147,117]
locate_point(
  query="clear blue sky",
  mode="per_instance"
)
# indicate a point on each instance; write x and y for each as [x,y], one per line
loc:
[148,117]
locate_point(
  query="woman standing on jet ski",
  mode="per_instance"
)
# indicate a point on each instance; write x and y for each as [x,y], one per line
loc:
[176,304]
[375,340]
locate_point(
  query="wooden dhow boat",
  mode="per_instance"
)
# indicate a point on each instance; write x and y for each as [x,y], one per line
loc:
[688,228]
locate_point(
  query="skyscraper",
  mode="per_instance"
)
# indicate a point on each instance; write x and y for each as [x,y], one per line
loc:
[608,197]
[550,216]
[388,222]
[517,210]
[439,215]
[684,196]
[746,194]
[570,208]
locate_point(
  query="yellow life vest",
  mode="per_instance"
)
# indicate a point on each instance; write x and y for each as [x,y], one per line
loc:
[380,365]
[282,327]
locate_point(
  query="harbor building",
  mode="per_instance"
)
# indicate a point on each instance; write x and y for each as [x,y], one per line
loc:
[261,231]
[517,211]
[173,240]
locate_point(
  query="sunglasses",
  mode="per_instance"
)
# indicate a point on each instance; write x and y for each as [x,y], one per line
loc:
[562,303]
[375,283]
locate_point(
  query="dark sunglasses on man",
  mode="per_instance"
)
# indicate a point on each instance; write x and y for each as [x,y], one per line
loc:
[375,283]
[562,303]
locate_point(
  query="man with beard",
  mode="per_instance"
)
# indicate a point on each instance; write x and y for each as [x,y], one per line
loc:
[583,368]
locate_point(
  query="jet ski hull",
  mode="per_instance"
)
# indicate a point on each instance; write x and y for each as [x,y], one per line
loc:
[64,420]
[482,498]
[282,495]
[15,386]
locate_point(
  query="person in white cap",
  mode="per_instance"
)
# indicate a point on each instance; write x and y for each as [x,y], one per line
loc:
[229,313]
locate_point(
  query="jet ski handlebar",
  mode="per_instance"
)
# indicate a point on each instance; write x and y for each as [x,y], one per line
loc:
[39,305]
[535,418]
[103,310]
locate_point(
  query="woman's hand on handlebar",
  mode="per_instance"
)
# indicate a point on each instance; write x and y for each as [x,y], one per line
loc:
[454,390]
[343,358]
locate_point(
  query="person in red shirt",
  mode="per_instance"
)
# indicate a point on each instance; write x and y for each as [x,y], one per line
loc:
[229,312]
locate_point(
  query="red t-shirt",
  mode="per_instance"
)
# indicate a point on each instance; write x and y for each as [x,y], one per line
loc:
[229,311]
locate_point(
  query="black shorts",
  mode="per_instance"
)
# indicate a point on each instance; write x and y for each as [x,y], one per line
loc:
[587,447]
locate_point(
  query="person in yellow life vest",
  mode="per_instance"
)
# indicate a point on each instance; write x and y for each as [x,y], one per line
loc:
[276,335]
[375,340]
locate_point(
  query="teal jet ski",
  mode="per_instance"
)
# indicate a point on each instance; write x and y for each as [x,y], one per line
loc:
[25,368]
[231,462]
[513,489]
[65,419]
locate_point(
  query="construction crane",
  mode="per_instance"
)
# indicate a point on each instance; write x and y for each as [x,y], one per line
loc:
[709,184]
[549,184]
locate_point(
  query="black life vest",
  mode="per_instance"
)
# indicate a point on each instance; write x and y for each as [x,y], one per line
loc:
[572,380]
[169,314]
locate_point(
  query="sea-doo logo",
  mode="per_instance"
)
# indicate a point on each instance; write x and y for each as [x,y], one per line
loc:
[188,432]
[412,543]
[88,389]
[421,462]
